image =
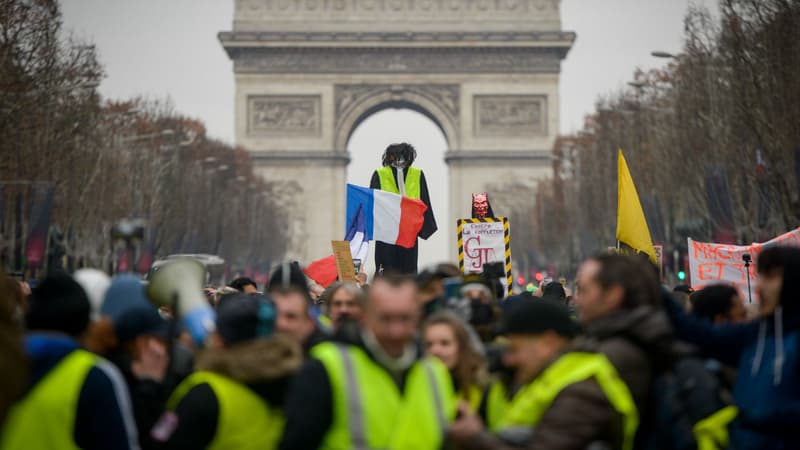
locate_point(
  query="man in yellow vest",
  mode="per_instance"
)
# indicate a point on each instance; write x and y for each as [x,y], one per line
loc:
[234,400]
[376,390]
[75,399]
[399,177]
[568,399]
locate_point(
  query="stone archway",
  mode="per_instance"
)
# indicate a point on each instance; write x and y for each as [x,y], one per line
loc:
[485,71]
[356,102]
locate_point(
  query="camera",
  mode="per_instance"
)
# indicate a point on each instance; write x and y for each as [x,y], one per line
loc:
[494,270]
[747,259]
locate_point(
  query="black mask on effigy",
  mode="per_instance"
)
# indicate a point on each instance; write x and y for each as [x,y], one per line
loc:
[399,156]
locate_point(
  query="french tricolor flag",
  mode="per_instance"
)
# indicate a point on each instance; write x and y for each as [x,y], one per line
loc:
[388,217]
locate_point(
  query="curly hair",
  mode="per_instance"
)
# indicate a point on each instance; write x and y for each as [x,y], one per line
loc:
[394,150]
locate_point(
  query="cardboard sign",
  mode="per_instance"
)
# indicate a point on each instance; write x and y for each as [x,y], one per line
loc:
[344,261]
[482,241]
[711,263]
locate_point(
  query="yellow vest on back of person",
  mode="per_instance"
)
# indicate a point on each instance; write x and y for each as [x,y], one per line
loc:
[45,417]
[412,181]
[528,406]
[245,420]
[370,412]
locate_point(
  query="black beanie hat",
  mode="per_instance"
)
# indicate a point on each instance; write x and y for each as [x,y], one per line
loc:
[537,316]
[244,317]
[554,290]
[60,304]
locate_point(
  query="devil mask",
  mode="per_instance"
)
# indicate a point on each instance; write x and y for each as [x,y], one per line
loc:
[399,156]
[481,207]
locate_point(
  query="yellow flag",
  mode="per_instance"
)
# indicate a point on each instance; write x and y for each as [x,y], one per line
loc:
[631,225]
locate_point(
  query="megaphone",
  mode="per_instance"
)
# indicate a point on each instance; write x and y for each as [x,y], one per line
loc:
[178,284]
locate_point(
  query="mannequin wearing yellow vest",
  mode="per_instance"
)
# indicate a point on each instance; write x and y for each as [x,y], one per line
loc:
[396,175]
[234,399]
[374,389]
[539,331]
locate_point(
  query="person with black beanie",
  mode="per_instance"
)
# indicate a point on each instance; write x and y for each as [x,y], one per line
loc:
[571,398]
[235,398]
[74,397]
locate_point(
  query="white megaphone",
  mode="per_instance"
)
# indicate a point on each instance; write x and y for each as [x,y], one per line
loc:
[178,284]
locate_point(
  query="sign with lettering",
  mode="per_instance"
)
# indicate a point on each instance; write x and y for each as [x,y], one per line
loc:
[711,263]
[483,241]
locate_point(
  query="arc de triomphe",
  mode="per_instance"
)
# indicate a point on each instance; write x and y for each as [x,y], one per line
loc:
[309,71]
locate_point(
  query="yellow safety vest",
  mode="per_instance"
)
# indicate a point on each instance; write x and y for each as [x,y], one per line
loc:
[533,400]
[245,420]
[497,403]
[472,396]
[412,181]
[711,433]
[370,412]
[45,417]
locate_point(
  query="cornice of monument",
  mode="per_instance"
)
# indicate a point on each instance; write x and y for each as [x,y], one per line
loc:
[249,39]
[394,60]
[481,157]
[293,157]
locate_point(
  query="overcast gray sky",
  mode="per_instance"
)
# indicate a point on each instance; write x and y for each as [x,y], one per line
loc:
[163,49]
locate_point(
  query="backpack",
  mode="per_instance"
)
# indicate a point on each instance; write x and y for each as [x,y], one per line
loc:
[681,396]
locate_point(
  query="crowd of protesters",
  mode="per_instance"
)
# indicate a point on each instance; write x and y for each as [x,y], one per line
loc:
[425,361]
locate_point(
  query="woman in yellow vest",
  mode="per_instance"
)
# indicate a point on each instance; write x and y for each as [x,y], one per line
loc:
[446,337]
[233,401]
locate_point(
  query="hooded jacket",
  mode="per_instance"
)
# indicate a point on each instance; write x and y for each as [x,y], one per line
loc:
[263,365]
[767,355]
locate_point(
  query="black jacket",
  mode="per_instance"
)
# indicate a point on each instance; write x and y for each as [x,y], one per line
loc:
[394,258]
[263,365]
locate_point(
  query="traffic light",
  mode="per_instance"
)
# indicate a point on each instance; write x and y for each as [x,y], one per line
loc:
[681,275]
[539,277]
[520,281]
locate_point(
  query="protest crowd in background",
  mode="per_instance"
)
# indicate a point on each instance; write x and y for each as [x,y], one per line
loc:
[613,359]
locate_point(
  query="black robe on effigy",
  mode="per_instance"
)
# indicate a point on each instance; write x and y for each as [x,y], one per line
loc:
[396,259]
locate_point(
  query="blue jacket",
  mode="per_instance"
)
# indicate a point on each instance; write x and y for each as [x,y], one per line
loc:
[767,355]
